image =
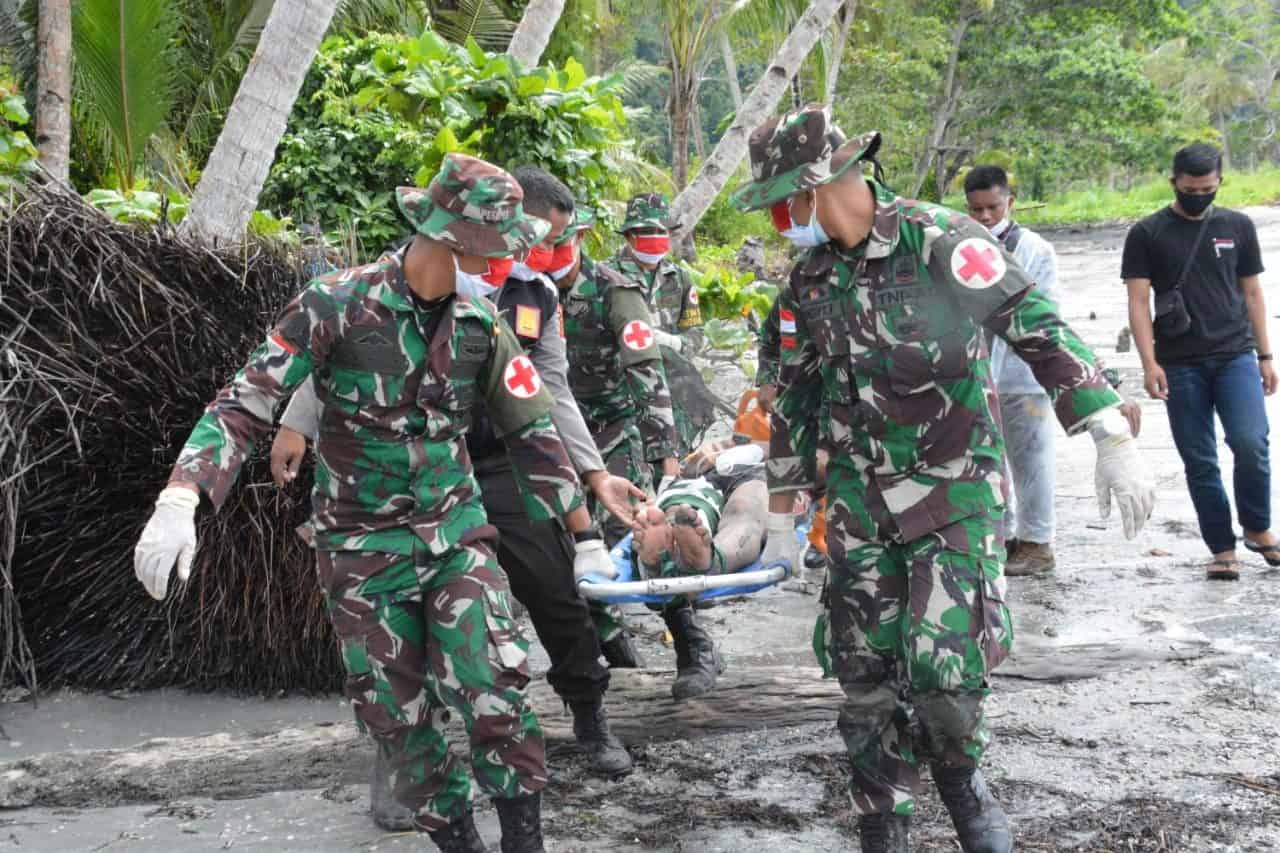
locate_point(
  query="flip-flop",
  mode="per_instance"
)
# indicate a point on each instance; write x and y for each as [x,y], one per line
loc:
[1229,571]
[1270,553]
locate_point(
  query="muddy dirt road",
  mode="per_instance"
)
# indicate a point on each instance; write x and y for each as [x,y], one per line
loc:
[1139,712]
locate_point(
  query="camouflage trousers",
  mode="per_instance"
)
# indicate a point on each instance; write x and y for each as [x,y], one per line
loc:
[912,630]
[623,453]
[425,636]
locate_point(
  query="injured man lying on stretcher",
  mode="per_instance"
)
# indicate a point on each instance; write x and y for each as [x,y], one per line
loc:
[709,524]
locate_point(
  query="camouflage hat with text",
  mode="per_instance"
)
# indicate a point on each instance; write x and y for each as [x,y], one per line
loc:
[473,207]
[648,210]
[793,154]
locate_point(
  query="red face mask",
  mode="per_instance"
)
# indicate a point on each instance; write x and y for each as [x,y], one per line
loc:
[564,256]
[780,213]
[652,244]
[540,259]
[499,270]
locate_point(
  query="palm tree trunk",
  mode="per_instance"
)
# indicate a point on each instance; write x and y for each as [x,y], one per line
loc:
[760,103]
[730,70]
[680,110]
[944,110]
[228,191]
[844,23]
[1221,121]
[53,88]
[535,29]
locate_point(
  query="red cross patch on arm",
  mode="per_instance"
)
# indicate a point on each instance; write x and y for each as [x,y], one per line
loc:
[521,378]
[637,335]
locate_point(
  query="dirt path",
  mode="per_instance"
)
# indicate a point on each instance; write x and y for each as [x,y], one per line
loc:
[1140,711]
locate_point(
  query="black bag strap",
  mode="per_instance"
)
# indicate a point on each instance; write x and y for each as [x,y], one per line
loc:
[1195,247]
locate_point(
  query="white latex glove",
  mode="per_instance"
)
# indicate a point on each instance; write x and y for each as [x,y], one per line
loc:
[667,339]
[781,543]
[665,483]
[592,558]
[1120,472]
[170,535]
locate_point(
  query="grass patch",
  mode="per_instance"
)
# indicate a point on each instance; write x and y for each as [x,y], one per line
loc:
[1101,206]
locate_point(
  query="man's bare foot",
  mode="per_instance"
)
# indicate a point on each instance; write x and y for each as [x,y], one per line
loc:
[692,541]
[651,535]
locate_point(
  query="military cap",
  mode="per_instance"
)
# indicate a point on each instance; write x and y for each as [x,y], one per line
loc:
[648,210]
[584,219]
[473,207]
[793,154]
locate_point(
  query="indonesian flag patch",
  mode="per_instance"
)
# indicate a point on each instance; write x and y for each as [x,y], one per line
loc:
[1222,244]
[521,378]
[637,336]
[786,321]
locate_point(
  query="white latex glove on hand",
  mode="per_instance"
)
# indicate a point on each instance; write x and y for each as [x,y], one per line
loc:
[592,558]
[1120,472]
[170,535]
[781,543]
[667,339]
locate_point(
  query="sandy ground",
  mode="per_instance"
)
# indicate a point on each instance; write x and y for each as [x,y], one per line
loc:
[1139,712]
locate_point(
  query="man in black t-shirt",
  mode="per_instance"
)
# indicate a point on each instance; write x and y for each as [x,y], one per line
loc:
[1221,363]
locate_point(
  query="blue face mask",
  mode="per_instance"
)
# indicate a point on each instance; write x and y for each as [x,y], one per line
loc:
[808,235]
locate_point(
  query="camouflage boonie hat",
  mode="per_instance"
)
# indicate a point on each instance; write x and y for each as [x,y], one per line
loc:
[474,207]
[648,210]
[584,219]
[793,154]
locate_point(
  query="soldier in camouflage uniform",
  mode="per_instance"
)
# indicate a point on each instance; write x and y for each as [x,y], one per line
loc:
[405,554]
[616,374]
[673,299]
[883,321]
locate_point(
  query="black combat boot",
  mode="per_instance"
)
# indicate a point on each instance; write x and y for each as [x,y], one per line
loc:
[697,661]
[521,820]
[387,812]
[620,653]
[590,726]
[460,836]
[884,832]
[980,823]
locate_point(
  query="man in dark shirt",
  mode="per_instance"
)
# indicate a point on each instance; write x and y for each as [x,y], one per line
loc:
[1221,363]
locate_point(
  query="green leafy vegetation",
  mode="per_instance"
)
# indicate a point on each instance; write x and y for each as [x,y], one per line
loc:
[16,150]
[383,111]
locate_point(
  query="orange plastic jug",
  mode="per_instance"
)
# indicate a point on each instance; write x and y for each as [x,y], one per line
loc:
[752,421]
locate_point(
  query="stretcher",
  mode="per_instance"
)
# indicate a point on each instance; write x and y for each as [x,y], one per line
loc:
[628,587]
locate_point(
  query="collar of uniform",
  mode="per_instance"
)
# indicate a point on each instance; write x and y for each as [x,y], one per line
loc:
[883,238]
[398,296]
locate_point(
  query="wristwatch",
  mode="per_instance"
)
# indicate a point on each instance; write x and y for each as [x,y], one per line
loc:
[588,535]
[1265,356]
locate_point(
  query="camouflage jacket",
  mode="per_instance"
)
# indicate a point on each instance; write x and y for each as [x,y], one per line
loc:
[615,367]
[769,351]
[889,334]
[673,300]
[392,468]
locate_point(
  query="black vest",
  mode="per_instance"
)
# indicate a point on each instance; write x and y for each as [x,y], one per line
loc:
[526,307]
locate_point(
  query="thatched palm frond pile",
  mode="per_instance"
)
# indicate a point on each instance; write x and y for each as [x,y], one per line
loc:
[112,340]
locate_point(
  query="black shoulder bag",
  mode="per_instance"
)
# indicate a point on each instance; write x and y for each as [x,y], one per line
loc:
[1172,319]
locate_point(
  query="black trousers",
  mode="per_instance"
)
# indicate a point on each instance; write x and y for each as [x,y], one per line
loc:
[538,560]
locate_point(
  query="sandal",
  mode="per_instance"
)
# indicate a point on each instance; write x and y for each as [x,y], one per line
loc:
[1270,553]
[1223,570]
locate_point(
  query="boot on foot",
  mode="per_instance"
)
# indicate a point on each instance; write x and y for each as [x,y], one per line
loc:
[697,661]
[884,832]
[980,823]
[521,821]
[620,653]
[591,727]
[386,811]
[460,836]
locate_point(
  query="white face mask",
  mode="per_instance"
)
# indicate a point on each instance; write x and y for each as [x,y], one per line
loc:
[998,230]
[810,234]
[646,258]
[523,273]
[562,272]
[470,284]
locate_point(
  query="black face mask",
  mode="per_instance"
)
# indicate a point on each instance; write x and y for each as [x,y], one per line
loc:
[1194,204]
